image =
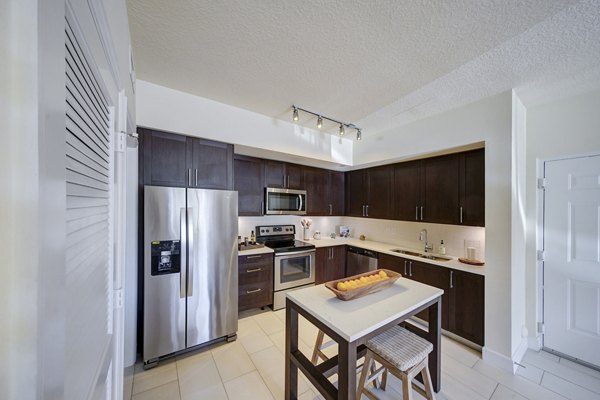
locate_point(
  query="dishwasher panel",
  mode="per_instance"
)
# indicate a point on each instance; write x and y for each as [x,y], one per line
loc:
[360,260]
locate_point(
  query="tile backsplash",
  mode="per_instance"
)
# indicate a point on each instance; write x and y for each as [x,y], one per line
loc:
[396,233]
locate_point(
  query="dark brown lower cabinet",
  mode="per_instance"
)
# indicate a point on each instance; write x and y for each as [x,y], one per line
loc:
[330,264]
[463,299]
[467,305]
[255,281]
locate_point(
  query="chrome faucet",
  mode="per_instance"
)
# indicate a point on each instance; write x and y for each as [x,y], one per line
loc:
[423,237]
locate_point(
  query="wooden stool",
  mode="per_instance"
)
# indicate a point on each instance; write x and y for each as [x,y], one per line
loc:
[403,354]
[319,346]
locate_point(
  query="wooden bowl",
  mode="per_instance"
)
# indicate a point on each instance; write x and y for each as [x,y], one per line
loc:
[363,290]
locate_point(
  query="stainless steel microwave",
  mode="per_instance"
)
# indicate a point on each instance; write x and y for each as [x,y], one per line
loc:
[285,201]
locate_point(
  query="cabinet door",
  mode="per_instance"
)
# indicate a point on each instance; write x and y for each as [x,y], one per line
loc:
[330,264]
[436,276]
[440,189]
[467,307]
[274,173]
[472,188]
[164,160]
[316,181]
[212,164]
[294,176]
[407,190]
[249,182]
[321,263]
[336,193]
[356,193]
[393,263]
[380,190]
[338,254]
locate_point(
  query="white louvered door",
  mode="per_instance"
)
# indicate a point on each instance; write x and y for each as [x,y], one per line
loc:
[89,257]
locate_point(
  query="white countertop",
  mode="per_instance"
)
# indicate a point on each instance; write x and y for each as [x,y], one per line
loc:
[262,250]
[356,318]
[386,247]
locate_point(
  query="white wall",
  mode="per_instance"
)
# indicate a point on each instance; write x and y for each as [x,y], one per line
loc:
[490,121]
[561,129]
[171,110]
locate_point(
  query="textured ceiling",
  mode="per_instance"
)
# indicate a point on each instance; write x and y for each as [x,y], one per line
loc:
[380,63]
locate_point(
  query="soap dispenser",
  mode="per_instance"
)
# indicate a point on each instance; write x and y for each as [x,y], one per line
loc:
[442,248]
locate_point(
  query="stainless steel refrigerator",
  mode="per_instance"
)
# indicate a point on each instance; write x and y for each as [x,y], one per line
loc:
[190,268]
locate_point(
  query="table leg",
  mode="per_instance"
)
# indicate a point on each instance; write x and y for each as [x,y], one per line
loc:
[434,335]
[291,345]
[347,370]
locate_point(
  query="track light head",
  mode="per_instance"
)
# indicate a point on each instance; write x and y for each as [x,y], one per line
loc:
[295,114]
[342,130]
[358,134]
[319,122]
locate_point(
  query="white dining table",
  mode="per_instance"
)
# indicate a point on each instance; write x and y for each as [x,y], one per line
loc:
[351,324]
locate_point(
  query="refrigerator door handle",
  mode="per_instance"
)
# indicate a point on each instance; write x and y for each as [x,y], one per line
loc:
[191,265]
[184,241]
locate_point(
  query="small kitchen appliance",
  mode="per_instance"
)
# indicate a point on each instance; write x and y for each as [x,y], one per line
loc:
[294,260]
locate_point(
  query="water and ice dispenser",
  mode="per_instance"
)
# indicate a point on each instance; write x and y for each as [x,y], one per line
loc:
[166,257]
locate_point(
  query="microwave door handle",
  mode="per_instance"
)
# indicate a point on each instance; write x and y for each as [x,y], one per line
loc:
[300,199]
[190,235]
[184,240]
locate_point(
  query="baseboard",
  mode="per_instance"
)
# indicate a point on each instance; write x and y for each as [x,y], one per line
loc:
[519,353]
[497,360]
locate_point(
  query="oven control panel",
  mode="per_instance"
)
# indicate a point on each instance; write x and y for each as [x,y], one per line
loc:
[275,230]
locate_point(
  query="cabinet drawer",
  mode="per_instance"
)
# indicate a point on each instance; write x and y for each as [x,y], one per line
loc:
[255,295]
[254,274]
[253,259]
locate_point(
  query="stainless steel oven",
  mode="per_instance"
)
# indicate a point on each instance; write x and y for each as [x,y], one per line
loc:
[285,201]
[294,261]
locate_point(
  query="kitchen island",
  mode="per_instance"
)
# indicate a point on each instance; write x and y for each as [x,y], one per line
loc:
[351,324]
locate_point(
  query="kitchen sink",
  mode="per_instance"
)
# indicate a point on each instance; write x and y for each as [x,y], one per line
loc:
[435,258]
[410,253]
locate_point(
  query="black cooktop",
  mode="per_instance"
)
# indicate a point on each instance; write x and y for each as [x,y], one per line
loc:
[281,238]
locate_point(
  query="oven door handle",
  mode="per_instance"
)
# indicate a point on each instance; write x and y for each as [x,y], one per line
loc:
[294,253]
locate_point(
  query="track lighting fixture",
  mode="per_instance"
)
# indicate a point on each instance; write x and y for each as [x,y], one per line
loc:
[320,118]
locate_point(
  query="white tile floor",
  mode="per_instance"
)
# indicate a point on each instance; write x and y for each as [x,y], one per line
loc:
[253,367]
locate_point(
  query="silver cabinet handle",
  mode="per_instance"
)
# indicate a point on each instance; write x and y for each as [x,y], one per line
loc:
[330,209]
[367,208]
[254,270]
[196,177]
[189,177]
[416,213]
[191,266]
[405,262]
[451,283]
[257,256]
[410,265]
[253,291]
[421,213]
[183,233]
[461,218]
[364,213]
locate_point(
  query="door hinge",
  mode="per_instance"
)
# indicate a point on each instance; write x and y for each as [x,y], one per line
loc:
[541,255]
[541,183]
[121,142]
[540,327]
[118,298]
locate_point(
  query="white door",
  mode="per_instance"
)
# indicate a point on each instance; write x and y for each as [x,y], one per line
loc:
[572,257]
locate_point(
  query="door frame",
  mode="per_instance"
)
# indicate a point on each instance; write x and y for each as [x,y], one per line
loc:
[540,230]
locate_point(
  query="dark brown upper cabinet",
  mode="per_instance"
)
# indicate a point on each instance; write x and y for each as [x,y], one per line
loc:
[176,160]
[369,192]
[283,175]
[249,183]
[472,188]
[440,189]
[163,158]
[325,191]
[407,191]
